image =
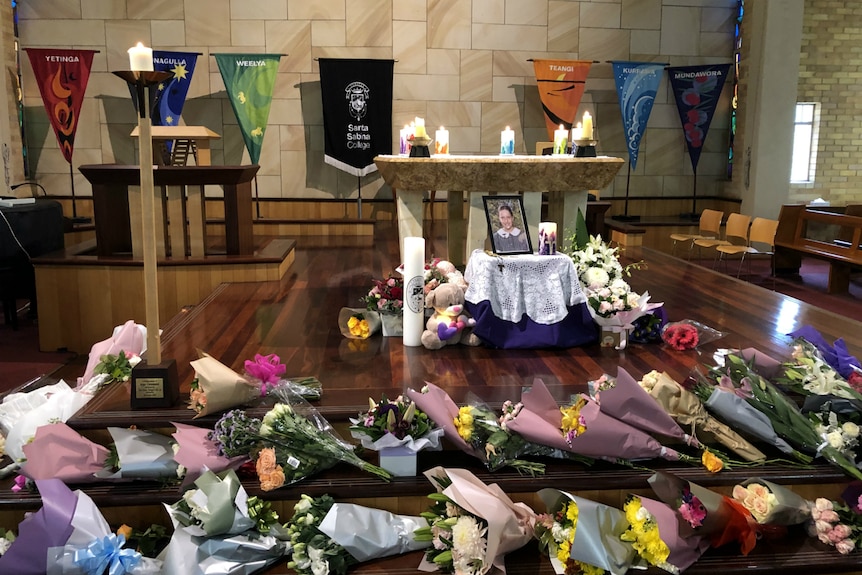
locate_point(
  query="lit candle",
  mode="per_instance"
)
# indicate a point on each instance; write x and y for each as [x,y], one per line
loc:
[588,126]
[413,310]
[507,141]
[577,133]
[141,58]
[441,141]
[419,128]
[404,144]
[547,238]
[560,140]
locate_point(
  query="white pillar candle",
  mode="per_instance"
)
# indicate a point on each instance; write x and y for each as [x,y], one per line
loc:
[441,141]
[414,291]
[560,140]
[141,58]
[547,238]
[507,141]
[577,133]
[403,143]
[588,126]
[419,128]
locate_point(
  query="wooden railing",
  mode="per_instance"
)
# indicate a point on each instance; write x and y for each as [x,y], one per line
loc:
[181,229]
[841,248]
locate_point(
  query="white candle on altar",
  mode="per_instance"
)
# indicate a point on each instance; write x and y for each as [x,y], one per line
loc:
[419,128]
[560,140]
[588,127]
[507,141]
[441,141]
[403,143]
[577,133]
[141,58]
[414,290]
[547,238]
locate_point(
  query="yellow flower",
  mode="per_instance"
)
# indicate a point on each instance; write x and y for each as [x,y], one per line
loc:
[464,422]
[571,424]
[563,551]
[125,531]
[358,326]
[712,463]
[643,533]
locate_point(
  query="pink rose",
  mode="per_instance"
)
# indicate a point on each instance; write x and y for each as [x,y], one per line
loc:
[740,493]
[846,546]
[822,527]
[842,531]
[822,504]
[829,515]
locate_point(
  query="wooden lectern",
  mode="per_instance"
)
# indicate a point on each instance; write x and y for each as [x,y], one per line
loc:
[197,139]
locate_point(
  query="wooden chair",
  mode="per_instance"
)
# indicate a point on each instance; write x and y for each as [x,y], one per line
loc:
[709,226]
[735,233]
[762,233]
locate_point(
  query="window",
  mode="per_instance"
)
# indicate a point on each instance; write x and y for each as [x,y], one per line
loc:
[804,150]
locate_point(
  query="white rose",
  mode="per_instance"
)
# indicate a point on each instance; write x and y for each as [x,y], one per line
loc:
[835,439]
[850,429]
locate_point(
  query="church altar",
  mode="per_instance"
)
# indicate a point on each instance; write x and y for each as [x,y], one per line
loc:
[565,179]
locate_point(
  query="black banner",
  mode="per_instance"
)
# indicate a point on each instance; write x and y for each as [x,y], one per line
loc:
[357,112]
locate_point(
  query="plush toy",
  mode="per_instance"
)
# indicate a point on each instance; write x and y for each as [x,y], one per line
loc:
[449,324]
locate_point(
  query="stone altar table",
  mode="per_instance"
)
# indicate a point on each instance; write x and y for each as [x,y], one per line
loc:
[566,179]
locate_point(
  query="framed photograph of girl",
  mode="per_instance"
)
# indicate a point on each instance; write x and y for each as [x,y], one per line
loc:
[507,225]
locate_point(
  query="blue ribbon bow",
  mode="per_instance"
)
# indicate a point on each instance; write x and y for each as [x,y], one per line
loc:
[107,553]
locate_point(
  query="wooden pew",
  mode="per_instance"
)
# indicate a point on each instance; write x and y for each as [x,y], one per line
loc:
[794,238]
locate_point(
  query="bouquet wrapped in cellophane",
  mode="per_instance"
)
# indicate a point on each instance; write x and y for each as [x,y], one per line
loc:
[772,504]
[394,424]
[330,537]
[218,528]
[290,443]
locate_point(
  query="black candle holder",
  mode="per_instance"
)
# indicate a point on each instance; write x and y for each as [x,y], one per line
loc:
[419,147]
[585,148]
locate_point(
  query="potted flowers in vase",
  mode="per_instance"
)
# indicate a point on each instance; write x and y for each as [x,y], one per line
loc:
[386,298]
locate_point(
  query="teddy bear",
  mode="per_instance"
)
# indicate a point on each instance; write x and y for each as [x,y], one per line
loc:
[448,325]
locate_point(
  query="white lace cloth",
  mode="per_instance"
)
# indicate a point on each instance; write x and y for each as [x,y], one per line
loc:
[540,286]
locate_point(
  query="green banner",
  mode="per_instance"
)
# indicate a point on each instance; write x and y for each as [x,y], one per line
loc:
[249,80]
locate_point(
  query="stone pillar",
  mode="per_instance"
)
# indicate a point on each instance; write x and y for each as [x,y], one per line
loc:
[773,31]
[11,156]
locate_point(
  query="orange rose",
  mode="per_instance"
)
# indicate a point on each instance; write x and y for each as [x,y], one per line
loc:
[125,531]
[272,480]
[712,463]
[265,461]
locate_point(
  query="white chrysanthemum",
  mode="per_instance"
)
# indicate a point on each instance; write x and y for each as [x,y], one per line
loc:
[319,565]
[596,278]
[835,439]
[468,545]
[633,300]
[649,380]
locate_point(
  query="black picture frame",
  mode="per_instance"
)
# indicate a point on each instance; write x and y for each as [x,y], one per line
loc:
[502,242]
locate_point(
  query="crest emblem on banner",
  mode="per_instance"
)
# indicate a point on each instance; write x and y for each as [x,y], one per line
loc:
[357,95]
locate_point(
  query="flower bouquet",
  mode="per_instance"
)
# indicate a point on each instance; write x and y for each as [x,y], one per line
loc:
[582,428]
[289,444]
[69,535]
[216,387]
[396,425]
[688,334]
[837,523]
[218,528]
[472,526]
[772,504]
[475,430]
[786,418]
[690,413]
[385,296]
[705,513]
[197,453]
[654,533]
[130,339]
[328,537]
[357,323]
[267,373]
[140,454]
[808,373]
[835,354]
[59,452]
[582,536]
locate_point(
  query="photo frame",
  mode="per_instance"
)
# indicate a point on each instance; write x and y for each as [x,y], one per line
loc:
[507,225]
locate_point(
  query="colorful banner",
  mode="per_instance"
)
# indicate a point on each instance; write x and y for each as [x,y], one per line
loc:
[62,77]
[561,85]
[171,94]
[357,112]
[249,80]
[637,84]
[696,90]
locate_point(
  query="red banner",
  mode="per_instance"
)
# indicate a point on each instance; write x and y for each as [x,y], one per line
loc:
[561,85]
[62,78]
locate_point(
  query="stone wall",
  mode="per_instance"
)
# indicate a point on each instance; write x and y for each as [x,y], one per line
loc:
[460,63]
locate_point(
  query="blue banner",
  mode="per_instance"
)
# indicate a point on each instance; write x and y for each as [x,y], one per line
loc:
[171,94]
[637,84]
[696,90]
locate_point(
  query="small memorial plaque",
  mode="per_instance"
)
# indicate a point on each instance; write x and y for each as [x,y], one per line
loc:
[155,386]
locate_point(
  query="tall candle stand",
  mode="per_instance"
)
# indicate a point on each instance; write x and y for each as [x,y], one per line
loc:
[154,380]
